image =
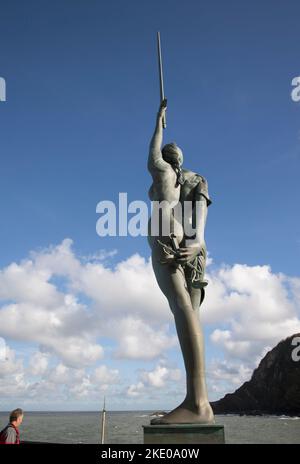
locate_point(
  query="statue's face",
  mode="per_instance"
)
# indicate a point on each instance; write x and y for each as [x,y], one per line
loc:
[172,154]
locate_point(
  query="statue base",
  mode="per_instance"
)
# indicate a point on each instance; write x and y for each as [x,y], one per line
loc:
[184,434]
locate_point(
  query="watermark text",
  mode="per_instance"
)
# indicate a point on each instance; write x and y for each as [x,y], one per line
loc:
[296,350]
[2,349]
[133,218]
[295,94]
[2,90]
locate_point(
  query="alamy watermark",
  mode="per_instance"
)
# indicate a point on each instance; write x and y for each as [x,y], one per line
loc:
[295,94]
[2,349]
[133,218]
[296,350]
[2,90]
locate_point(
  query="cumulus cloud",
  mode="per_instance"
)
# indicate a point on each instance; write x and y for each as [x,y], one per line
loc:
[42,305]
[52,383]
[2,349]
[38,364]
[156,379]
[51,329]
[12,376]
[135,390]
[254,307]
[103,375]
[225,376]
[9,364]
[79,311]
[128,288]
[138,340]
[160,376]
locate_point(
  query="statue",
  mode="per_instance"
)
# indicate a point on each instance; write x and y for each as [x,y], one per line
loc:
[179,259]
[178,268]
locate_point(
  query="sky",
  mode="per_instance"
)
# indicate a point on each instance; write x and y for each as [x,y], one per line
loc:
[81,316]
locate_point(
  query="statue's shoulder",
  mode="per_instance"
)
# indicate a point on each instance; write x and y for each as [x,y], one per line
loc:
[193,177]
[194,185]
[201,179]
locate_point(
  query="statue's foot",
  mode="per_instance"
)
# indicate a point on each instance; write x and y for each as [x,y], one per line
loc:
[185,414]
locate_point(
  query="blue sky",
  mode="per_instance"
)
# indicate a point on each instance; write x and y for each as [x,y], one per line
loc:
[82,94]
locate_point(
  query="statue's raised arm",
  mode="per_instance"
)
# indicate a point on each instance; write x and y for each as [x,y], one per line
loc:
[155,159]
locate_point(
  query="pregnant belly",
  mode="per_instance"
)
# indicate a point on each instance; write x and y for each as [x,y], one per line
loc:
[162,229]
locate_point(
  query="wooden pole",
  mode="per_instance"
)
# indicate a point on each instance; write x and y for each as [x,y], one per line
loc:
[103,424]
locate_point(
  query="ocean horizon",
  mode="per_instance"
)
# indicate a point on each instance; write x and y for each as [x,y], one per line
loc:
[125,427]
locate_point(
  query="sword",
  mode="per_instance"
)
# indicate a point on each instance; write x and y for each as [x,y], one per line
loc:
[161,77]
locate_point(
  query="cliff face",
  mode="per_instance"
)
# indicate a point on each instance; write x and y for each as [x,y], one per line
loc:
[274,387]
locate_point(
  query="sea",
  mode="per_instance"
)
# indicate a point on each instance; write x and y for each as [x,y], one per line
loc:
[125,427]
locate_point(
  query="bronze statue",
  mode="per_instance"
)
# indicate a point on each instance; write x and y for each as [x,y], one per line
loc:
[179,258]
[179,264]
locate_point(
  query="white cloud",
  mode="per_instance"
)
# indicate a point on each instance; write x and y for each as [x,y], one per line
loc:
[73,304]
[101,255]
[135,390]
[226,376]
[24,282]
[10,365]
[255,307]
[160,376]
[124,302]
[156,379]
[57,330]
[138,340]
[2,349]
[55,383]
[104,375]
[129,288]
[38,364]
[67,305]
[12,376]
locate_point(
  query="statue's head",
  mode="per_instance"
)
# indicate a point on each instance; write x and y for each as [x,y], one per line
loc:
[172,154]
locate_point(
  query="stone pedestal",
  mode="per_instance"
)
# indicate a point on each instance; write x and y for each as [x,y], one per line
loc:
[184,434]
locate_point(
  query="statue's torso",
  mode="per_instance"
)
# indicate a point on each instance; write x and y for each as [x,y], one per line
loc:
[164,186]
[164,189]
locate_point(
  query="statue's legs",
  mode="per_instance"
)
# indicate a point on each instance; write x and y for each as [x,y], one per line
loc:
[184,301]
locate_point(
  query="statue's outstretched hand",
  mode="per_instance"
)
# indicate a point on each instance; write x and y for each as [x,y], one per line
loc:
[162,108]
